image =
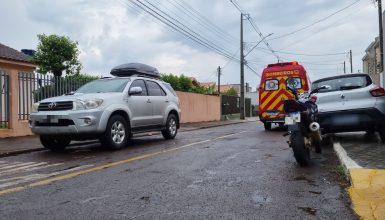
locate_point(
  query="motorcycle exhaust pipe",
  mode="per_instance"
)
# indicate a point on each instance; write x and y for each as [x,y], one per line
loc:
[314,126]
[315,131]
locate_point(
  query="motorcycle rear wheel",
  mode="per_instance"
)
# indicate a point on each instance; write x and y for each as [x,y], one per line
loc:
[301,152]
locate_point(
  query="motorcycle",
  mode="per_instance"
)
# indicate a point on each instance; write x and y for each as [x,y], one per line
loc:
[301,121]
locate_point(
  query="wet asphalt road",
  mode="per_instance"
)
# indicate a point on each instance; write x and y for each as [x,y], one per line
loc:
[229,172]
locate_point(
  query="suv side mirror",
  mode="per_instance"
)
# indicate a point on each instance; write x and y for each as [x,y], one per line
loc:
[135,90]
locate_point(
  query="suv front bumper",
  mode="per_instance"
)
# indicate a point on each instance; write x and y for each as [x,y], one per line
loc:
[65,122]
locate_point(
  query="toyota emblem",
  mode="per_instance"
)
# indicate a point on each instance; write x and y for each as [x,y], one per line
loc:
[52,105]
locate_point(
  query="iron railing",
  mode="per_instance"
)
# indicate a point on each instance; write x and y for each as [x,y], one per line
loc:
[36,87]
[4,100]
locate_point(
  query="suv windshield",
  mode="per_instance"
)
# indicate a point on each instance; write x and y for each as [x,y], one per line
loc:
[104,85]
[342,83]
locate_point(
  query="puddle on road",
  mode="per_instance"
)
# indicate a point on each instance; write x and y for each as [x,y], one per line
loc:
[261,200]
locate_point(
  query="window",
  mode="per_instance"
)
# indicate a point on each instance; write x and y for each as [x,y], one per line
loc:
[154,89]
[104,85]
[140,83]
[169,87]
[296,81]
[271,84]
[343,83]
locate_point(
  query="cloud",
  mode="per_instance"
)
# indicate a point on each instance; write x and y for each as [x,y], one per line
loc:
[110,33]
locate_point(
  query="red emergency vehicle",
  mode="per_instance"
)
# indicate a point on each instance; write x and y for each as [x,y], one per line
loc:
[272,90]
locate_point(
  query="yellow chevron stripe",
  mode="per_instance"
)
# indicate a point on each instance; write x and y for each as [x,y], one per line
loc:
[276,101]
[263,95]
[269,98]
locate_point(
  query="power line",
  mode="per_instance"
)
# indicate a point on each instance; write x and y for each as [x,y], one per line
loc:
[206,22]
[182,30]
[195,33]
[254,26]
[316,22]
[332,25]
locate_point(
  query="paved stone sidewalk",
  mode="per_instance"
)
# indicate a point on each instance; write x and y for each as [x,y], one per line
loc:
[366,150]
[364,158]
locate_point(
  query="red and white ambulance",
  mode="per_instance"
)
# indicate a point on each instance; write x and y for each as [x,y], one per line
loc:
[273,90]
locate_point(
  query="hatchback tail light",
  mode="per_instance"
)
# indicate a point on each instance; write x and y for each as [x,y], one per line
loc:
[377,92]
[313,98]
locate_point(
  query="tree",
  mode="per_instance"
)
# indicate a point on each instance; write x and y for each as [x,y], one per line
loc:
[231,92]
[56,54]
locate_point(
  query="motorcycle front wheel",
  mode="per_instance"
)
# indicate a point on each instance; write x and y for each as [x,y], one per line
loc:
[301,152]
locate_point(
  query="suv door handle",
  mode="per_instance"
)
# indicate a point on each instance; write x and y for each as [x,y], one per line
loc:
[148,101]
[342,96]
[167,100]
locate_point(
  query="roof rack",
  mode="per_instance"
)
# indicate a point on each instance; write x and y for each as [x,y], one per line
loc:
[135,69]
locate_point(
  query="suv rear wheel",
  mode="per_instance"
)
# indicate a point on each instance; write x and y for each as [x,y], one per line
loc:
[54,142]
[116,134]
[171,127]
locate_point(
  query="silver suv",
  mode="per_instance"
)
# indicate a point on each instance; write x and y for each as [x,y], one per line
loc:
[110,109]
[350,102]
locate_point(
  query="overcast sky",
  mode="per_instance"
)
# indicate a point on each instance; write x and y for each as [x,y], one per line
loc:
[112,32]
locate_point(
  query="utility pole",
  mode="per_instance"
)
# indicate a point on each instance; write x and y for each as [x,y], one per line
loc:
[242,87]
[381,34]
[344,68]
[351,62]
[219,79]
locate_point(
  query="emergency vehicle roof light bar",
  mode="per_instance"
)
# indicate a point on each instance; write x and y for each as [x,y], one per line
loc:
[283,64]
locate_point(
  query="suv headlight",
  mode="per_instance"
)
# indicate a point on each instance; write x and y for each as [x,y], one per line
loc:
[87,104]
[34,107]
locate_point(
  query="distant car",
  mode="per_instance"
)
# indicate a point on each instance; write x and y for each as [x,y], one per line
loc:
[109,109]
[351,102]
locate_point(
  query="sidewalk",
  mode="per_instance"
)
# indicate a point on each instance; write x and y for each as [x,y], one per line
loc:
[363,157]
[17,145]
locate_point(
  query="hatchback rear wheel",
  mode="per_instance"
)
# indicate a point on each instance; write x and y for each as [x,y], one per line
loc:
[381,131]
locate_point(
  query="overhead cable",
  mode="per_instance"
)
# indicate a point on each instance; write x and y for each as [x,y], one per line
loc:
[316,22]
[187,32]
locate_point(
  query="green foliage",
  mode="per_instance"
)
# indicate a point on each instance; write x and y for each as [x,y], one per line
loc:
[56,54]
[231,92]
[3,125]
[184,84]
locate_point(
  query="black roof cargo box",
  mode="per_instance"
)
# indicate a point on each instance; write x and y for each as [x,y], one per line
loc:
[139,69]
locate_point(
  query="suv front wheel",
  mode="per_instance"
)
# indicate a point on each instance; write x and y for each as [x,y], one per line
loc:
[171,127]
[116,134]
[54,142]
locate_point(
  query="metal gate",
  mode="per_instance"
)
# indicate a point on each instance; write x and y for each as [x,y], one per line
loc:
[4,100]
[247,107]
[230,105]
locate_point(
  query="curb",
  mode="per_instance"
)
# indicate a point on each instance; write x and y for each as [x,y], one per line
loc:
[345,160]
[16,152]
[367,188]
[213,126]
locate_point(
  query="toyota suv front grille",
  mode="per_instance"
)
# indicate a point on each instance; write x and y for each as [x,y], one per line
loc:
[56,106]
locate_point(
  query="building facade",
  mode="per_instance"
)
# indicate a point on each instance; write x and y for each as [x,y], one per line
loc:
[372,62]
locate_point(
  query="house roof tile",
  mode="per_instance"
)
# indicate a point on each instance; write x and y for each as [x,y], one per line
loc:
[12,54]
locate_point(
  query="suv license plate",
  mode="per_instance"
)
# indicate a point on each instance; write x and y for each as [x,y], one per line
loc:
[292,118]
